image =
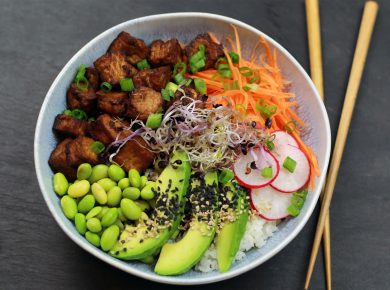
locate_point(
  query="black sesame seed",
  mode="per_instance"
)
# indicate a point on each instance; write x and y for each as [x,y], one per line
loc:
[253,124]
[253,165]
[268,123]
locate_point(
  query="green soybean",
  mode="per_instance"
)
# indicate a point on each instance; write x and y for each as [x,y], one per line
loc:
[80,223]
[119,224]
[114,196]
[93,238]
[94,212]
[115,172]
[135,178]
[84,171]
[86,204]
[60,184]
[144,179]
[99,193]
[143,205]
[123,183]
[121,216]
[130,209]
[131,192]
[102,212]
[109,238]
[94,225]
[147,192]
[107,183]
[99,171]
[69,206]
[79,189]
[109,217]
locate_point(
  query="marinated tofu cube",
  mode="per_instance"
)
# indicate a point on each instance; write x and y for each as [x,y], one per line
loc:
[79,151]
[134,48]
[165,53]
[113,103]
[106,129]
[79,99]
[143,101]
[70,126]
[155,78]
[93,77]
[58,160]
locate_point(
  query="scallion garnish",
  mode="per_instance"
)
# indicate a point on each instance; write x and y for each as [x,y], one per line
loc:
[290,164]
[225,176]
[266,111]
[179,68]
[143,64]
[297,201]
[198,59]
[82,83]
[106,87]
[267,172]
[251,87]
[290,126]
[80,73]
[76,113]
[188,82]
[234,57]
[179,79]
[255,79]
[67,112]
[97,147]
[165,95]
[200,86]
[245,71]
[154,120]
[169,91]
[270,145]
[126,84]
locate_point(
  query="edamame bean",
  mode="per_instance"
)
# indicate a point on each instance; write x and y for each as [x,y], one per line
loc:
[144,179]
[109,238]
[93,238]
[147,192]
[131,192]
[80,223]
[102,212]
[119,224]
[60,183]
[135,178]
[86,204]
[79,189]
[99,193]
[107,183]
[115,172]
[69,206]
[84,171]
[109,217]
[121,216]
[114,196]
[123,183]
[94,212]
[143,205]
[130,209]
[94,225]
[99,171]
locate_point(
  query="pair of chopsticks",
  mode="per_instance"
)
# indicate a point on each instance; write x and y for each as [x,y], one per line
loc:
[359,59]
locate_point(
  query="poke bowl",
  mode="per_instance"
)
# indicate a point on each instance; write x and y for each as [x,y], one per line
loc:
[226,128]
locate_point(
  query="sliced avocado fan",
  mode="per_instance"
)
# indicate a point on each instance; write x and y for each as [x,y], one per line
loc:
[141,241]
[177,258]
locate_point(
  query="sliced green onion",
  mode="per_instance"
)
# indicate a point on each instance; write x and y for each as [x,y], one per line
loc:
[80,73]
[165,95]
[290,164]
[106,87]
[267,172]
[270,145]
[251,87]
[264,110]
[271,137]
[293,210]
[255,79]
[220,60]
[67,112]
[234,57]
[82,83]
[200,86]
[179,79]
[297,201]
[225,176]
[97,147]
[180,68]
[143,64]
[198,59]
[79,114]
[127,85]
[172,87]
[245,71]
[154,121]
[226,73]
[290,127]
[188,82]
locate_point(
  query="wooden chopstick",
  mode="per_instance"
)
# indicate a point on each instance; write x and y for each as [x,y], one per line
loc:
[315,55]
[359,59]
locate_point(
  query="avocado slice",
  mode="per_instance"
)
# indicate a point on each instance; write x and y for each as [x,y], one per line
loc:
[141,241]
[234,214]
[177,258]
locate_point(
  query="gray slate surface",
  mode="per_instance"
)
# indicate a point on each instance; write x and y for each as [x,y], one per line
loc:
[37,38]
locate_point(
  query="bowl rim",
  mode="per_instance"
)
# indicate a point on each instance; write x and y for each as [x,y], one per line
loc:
[179,280]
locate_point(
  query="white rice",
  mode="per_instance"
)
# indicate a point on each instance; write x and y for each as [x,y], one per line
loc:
[256,233]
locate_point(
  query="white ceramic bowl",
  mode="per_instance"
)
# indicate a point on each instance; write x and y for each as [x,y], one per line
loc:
[185,26]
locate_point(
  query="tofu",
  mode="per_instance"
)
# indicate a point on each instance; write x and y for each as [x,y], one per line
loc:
[58,160]
[213,51]
[93,77]
[84,100]
[155,78]
[79,151]
[106,129]
[113,103]
[134,48]
[134,154]
[165,53]
[69,126]
[143,101]
[112,67]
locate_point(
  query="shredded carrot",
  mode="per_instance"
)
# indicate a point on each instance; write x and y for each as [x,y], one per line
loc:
[271,90]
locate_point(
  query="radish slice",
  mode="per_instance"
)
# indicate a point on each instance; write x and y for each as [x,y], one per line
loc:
[287,181]
[269,203]
[282,139]
[252,178]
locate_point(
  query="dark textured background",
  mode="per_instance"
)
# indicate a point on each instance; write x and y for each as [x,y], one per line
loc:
[37,38]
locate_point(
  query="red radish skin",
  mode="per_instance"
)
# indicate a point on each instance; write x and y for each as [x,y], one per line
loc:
[289,182]
[259,181]
[279,203]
